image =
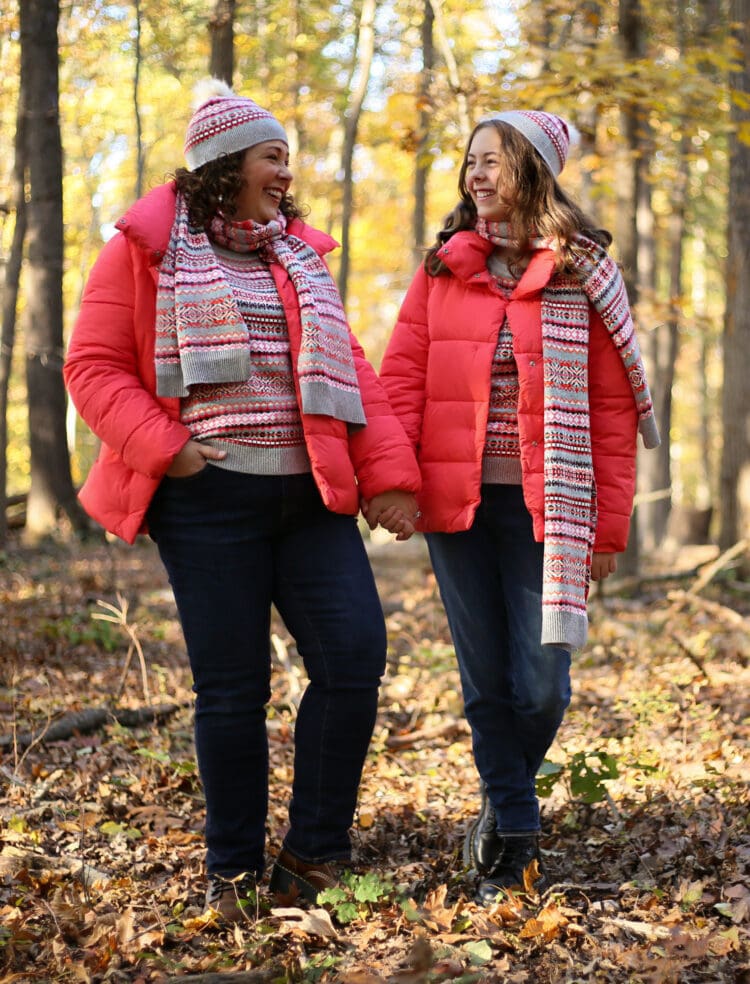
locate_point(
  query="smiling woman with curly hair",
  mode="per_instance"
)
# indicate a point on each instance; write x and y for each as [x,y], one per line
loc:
[243,428]
[215,188]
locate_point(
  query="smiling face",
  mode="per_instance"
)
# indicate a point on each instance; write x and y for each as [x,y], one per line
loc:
[483,175]
[266,176]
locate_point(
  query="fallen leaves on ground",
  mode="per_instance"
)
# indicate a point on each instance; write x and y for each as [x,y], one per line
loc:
[101,849]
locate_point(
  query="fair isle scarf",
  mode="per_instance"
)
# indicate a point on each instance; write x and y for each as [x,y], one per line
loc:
[201,337]
[569,487]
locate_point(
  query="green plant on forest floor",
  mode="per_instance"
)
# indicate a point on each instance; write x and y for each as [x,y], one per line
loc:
[356,895]
[585,772]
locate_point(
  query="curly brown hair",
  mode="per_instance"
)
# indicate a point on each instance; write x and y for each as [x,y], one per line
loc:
[214,187]
[537,204]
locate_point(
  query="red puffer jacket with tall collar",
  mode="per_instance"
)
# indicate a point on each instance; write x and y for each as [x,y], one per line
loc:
[110,375]
[437,370]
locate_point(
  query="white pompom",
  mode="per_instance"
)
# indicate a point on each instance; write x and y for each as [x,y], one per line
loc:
[574,134]
[208,89]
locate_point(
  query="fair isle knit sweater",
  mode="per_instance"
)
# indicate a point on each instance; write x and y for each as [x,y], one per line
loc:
[501,461]
[256,421]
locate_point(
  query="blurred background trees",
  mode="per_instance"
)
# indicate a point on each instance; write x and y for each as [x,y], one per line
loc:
[377,98]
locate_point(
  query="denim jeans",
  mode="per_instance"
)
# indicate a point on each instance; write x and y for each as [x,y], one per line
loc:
[233,545]
[515,690]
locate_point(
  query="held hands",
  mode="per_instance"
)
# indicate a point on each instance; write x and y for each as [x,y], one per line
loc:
[396,511]
[602,565]
[192,459]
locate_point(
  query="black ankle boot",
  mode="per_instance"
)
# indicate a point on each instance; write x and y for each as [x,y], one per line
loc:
[508,871]
[482,844]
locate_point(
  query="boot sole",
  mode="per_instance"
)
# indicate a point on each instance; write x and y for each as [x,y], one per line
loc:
[283,881]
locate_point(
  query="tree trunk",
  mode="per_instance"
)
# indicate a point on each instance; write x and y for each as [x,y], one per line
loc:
[424,114]
[712,14]
[51,483]
[446,53]
[363,60]
[221,30]
[10,305]
[294,72]
[706,483]
[631,40]
[735,461]
[139,162]
[588,115]
[663,343]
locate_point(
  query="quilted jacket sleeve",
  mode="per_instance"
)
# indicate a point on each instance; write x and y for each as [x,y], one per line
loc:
[404,368]
[381,453]
[109,366]
[614,429]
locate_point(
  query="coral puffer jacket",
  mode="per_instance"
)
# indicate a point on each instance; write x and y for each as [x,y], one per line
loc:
[437,372]
[110,374]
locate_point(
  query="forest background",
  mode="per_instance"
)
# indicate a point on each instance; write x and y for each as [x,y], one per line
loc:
[378,99]
[646,792]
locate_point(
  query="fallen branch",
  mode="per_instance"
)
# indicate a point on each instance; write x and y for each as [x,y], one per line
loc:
[262,976]
[88,720]
[639,582]
[703,572]
[14,859]
[449,729]
[680,599]
[691,655]
[647,931]
[719,564]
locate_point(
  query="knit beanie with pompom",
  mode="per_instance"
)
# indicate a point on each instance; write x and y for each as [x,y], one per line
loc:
[549,135]
[224,123]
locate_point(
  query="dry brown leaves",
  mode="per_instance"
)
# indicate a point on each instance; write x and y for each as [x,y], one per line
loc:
[100,834]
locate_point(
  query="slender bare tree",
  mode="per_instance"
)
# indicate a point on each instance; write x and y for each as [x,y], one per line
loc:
[630,179]
[359,81]
[424,118]
[735,461]
[139,161]
[451,65]
[10,305]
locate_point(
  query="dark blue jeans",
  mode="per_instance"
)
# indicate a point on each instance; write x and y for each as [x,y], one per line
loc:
[515,690]
[233,545]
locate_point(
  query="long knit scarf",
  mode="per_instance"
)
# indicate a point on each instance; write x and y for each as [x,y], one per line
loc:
[570,513]
[201,337]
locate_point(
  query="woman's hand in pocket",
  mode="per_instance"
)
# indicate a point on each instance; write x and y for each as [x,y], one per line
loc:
[192,459]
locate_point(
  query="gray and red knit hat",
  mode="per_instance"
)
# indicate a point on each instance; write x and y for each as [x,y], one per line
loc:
[549,135]
[224,123]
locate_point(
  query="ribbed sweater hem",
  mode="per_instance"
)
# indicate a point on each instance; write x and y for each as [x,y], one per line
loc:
[568,630]
[497,470]
[254,460]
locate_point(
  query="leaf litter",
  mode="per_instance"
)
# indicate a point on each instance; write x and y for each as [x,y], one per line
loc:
[646,829]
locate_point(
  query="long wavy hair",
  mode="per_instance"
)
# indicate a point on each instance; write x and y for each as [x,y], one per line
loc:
[537,205]
[213,188]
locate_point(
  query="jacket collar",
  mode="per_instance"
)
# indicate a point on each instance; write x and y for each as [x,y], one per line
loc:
[465,254]
[148,223]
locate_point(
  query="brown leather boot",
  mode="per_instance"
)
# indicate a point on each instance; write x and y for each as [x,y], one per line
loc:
[234,899]
[293,879]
